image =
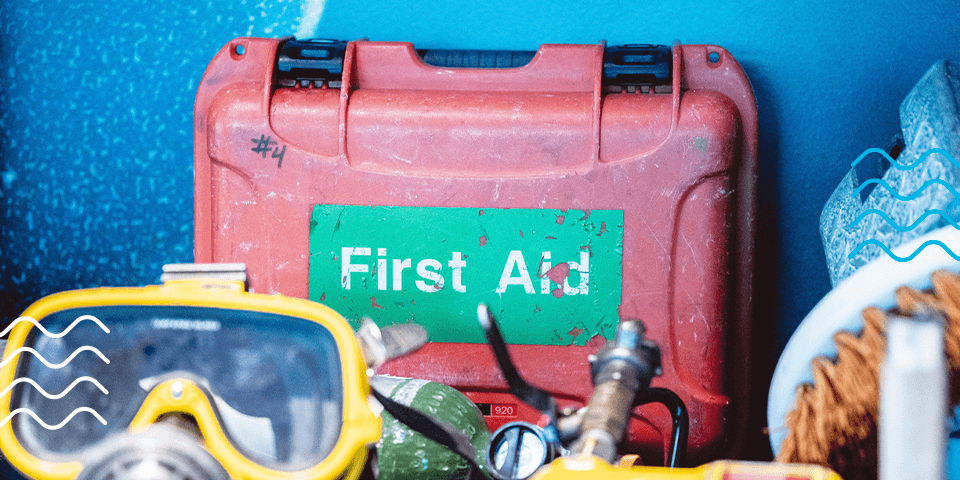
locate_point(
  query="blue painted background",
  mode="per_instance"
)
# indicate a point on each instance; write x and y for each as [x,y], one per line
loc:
[97,104]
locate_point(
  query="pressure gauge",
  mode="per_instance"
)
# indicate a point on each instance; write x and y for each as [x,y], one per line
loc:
[517,450]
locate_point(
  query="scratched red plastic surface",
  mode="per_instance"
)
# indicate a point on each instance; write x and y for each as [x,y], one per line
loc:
[681,166]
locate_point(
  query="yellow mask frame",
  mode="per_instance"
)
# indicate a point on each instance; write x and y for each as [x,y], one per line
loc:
[359,428]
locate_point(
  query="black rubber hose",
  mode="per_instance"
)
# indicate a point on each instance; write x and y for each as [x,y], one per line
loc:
[681,421]
[527,393]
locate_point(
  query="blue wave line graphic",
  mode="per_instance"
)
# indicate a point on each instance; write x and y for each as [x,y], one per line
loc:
[899,166]
[898,227]
[908,197]
[59,395]
[52,365]
[902,259]
[52,427]
[54,335]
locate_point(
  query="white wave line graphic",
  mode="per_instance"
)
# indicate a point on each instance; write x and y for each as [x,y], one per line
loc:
[52,427]
[55,335]
[52,365]
[59,395]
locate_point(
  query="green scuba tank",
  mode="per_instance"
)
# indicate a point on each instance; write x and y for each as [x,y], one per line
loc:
[404,454]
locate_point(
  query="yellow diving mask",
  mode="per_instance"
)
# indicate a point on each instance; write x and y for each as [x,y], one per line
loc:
[274,387]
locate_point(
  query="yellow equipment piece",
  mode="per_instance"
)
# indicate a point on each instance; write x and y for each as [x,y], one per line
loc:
[590,467]
[359,427]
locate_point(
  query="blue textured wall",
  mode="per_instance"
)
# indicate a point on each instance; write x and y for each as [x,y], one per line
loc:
[97,99]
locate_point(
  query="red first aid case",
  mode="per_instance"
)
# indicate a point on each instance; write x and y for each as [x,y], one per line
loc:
[566,188]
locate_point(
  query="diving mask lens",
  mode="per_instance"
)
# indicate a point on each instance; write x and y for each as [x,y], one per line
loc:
[274,381]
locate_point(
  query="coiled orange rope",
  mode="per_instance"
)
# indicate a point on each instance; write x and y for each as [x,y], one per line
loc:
[834,421]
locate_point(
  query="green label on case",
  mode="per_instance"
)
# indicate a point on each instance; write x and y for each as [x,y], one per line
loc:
[551,277]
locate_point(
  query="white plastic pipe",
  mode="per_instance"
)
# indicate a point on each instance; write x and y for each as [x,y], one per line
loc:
[913,400]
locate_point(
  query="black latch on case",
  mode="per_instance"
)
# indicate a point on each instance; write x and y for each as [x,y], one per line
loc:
[637,66]
[310,62]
